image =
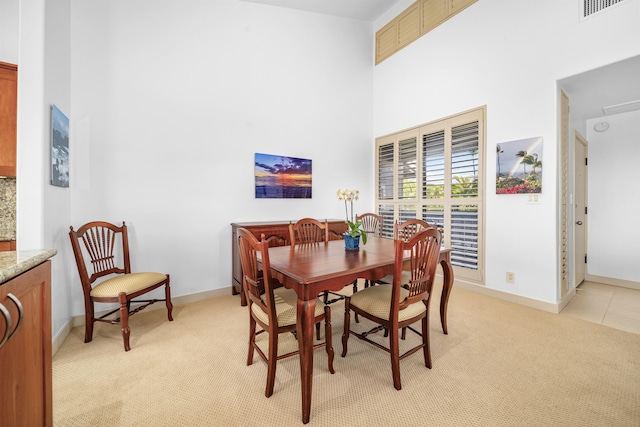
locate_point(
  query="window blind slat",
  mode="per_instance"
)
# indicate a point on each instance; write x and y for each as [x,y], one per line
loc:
[407,169]
[385,172]
[433,165]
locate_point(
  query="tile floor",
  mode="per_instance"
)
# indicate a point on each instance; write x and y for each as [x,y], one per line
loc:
[608,305]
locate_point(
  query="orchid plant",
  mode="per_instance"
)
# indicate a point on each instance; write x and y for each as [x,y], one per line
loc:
[354,227]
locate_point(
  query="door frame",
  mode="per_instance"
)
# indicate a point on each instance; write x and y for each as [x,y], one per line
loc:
[580,178]
[565,247]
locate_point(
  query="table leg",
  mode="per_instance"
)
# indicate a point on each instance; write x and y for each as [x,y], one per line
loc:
[447,284]
[243,297]
[305,327]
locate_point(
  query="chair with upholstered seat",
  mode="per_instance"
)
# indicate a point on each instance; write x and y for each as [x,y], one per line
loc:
[105,252]
[272,306]
[310,231]
[404,231]
[397,306]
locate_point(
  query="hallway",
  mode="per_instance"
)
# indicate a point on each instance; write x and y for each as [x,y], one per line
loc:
[608,305]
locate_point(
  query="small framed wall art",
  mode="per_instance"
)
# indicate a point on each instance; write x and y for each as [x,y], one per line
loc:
[282,177]
[59,148]
[519,166]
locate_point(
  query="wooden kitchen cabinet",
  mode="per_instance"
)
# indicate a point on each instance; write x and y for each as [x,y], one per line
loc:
[7,245]
[8,118]
[25,357]
[277,234]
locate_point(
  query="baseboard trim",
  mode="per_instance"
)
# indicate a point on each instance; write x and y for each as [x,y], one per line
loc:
[59,338]
[177,301]
[566,299]
[473,287]
[613,282]
[518,299]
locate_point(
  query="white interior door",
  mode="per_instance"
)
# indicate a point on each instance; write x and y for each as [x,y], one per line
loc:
[580,207]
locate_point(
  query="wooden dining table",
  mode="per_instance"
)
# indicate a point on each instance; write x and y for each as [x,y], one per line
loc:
[312,269]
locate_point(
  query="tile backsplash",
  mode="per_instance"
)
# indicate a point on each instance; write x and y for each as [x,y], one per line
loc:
[7,208]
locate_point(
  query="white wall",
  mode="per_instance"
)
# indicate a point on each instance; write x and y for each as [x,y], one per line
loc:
[33,146]
[57,200]
[169,102]
[614,198]
[40,32]
[9,31]
[506,55]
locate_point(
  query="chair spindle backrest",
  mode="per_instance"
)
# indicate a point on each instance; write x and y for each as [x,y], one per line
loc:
[309,230]
[424,248]
[409,228]
[256,281]
[371,223]
[106,246]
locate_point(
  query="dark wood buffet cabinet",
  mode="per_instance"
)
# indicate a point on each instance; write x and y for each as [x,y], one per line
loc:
[277,234]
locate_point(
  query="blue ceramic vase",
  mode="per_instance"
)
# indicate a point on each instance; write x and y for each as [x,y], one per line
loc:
[351,243]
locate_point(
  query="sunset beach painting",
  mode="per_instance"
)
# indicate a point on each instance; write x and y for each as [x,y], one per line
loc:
[282,177]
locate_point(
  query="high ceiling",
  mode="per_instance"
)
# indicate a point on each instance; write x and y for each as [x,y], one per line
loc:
[617,83]
[363,10]
[589,92]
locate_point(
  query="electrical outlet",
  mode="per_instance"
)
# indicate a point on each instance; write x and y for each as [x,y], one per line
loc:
[511,277]
[533,199]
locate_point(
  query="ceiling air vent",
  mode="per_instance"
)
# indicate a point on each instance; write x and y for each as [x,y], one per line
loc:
[621,108]
[591,7]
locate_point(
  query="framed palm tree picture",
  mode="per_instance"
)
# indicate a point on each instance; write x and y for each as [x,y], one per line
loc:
[519,166]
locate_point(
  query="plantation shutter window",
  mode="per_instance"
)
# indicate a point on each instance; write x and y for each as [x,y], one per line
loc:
[433,158]
[464,160]
[441,182]
[407,163]
[385,171]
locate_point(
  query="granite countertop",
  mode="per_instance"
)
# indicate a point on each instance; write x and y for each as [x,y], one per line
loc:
[7,234]
[14,263]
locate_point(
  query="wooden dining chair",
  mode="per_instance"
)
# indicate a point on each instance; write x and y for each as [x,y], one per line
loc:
[396,307]
[409,228]
[102,249]
[372,225]
[308,231]
[404,231]
[272,306]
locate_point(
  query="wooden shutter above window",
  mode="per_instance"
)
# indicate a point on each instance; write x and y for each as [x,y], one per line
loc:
[434,12]
[386,41]
[415,21]
[409,25]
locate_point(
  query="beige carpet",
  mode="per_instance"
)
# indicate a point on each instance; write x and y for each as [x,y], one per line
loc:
[502,364]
